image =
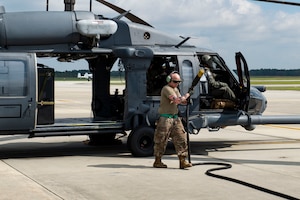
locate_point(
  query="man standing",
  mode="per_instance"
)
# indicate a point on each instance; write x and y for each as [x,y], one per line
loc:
[169,125]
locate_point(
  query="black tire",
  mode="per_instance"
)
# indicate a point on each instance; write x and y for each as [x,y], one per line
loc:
[102,139]
[140,141]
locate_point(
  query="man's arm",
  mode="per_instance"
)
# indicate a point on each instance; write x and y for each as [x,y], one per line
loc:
[180,99]
[213,82]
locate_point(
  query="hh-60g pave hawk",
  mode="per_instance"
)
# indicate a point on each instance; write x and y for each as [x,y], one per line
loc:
[147,55]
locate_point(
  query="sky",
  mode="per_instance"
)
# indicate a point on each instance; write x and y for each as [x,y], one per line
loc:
[267,34]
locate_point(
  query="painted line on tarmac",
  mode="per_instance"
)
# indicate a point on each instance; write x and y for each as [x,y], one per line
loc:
[284,127]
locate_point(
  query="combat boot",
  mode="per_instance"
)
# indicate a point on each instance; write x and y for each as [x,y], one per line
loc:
[183,163]
[158,164]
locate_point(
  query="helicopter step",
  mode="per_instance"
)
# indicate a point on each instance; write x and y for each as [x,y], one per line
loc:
[67,129]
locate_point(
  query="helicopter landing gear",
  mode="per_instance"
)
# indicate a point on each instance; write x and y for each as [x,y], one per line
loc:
[102,139]
[140,141]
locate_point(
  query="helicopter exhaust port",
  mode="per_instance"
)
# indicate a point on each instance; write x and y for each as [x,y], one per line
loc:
[92,28]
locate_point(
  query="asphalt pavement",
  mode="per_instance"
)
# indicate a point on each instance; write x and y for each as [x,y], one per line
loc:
[265,163]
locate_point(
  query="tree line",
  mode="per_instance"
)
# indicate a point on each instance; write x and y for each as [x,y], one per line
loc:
[275,72]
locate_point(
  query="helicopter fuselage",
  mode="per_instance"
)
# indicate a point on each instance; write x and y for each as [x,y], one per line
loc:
[147,56]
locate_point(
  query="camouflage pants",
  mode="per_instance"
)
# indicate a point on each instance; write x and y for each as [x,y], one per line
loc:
[170,128]
[223,92]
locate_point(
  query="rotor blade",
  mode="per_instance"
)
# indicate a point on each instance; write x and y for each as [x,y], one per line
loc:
[129,16]
[280,2]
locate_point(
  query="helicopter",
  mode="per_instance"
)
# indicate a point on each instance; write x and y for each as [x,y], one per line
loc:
[148,57]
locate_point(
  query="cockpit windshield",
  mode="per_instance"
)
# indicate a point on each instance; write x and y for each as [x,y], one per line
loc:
[212,61]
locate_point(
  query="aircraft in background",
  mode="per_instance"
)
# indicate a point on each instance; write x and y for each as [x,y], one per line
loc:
[85,76]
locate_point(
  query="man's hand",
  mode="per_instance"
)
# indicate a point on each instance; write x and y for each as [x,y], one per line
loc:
[174,99]
[191,91]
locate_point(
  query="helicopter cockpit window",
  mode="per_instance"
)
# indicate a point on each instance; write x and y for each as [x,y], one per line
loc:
[13,78]
[214,62]
[218,63]
[160,68]
[217,66]
[187,74]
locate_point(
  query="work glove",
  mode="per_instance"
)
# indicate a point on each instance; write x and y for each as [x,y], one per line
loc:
[191,91]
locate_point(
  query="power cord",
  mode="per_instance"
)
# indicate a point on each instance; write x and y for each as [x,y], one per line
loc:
[224,165]
[228,166]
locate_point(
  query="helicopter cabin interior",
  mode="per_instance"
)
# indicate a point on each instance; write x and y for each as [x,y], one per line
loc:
[162,65]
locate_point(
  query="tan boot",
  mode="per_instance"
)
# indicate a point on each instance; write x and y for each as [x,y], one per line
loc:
[158,164]
[183,163]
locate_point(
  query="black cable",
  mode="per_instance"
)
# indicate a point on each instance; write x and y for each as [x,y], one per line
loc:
[228,166]
[225,165]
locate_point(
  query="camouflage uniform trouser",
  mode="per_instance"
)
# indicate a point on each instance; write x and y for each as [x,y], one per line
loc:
[223,92]
[170,128]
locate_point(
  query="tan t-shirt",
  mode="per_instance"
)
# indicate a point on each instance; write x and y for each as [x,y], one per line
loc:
[166,107]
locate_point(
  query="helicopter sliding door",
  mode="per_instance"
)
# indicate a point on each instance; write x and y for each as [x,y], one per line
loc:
[244,81]
[17,92]
[189,68]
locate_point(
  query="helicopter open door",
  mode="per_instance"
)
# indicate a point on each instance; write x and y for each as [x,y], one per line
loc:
[17,92]
[244,81]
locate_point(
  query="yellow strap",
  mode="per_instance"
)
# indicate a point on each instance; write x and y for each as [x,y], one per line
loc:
[46,103]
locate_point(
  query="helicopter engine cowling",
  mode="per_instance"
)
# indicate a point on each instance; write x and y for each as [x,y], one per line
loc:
[51,28]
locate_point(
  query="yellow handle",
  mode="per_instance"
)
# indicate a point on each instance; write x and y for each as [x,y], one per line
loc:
[200,73]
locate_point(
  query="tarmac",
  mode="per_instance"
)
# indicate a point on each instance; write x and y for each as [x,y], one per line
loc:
[265,163]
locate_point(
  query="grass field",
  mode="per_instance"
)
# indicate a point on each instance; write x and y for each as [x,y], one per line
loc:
[278,83]
[272,83]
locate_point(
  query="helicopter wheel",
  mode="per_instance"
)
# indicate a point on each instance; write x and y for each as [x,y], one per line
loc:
[102,139]
[140,141]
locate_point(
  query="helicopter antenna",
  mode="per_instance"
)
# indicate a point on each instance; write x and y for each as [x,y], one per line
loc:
[122,15]
[47,5]
[280,2]
[182,42]
[129,16]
